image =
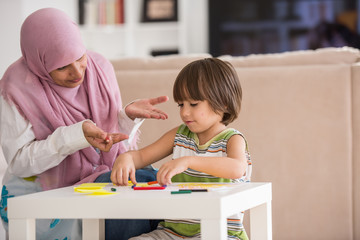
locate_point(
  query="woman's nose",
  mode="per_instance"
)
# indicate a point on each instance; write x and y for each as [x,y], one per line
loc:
[76,70]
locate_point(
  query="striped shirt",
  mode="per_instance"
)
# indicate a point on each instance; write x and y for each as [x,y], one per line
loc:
[187,144]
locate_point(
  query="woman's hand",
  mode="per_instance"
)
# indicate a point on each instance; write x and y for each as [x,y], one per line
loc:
[123,168]
[100,139]
[171,168]
[144,108]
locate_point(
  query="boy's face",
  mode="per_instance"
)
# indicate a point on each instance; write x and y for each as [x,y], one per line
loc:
[200,117]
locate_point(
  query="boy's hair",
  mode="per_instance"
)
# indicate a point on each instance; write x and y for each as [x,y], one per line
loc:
[213,80]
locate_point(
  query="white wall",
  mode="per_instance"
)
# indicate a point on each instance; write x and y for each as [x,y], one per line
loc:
[194,18]
[10,22]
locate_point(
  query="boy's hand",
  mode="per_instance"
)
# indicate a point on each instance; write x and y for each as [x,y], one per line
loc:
[122,169]
[170,169]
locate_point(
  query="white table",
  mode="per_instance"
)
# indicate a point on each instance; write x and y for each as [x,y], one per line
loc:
[211,207]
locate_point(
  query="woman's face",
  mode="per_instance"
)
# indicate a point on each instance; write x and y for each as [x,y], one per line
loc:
[71,75]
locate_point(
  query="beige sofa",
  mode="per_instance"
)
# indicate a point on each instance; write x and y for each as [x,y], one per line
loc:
[301,116]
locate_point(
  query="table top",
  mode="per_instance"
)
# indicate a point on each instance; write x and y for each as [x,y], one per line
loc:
[137,204]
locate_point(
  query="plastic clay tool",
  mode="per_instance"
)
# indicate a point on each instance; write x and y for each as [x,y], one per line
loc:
[181,192]
[149,188]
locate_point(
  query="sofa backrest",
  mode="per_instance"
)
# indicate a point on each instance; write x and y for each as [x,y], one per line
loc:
[355,93]
[298,124]
[298,117]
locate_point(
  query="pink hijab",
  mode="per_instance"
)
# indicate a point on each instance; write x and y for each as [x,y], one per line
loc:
[50,40]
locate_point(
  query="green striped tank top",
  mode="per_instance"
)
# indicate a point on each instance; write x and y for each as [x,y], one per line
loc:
[187,144]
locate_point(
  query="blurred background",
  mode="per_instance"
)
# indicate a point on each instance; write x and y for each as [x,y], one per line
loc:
[137,28]
[242,27]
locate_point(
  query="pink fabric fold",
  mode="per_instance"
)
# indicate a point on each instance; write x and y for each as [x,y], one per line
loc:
[50,40]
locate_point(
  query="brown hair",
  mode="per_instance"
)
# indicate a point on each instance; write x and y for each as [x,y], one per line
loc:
[213,80]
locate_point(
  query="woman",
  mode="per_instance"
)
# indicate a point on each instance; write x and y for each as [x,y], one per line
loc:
[62,120]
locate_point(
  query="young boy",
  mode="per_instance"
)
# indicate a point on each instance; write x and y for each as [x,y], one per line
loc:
[209,94]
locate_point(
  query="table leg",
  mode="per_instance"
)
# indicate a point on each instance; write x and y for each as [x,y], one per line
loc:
[23,229]
[260,222]
[93,229]
[213,229]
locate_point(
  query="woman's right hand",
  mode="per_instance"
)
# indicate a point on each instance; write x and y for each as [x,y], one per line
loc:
[100,139]
[123,168]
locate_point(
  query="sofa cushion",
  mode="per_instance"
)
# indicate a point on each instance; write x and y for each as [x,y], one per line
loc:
[343,55]
[356,149]
[298,124]
[156,63]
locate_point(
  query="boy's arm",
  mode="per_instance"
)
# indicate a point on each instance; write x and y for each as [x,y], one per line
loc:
[126,164]
[233,166]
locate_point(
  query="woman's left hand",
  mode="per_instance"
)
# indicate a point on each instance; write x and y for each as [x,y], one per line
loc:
[144,108]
